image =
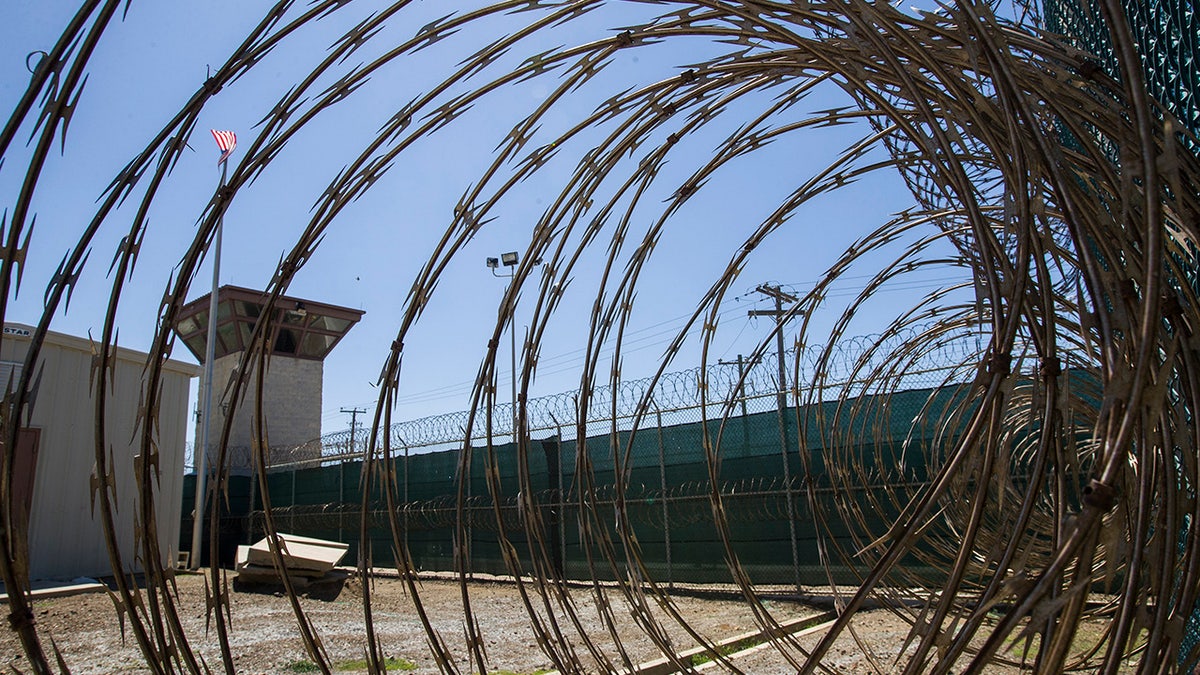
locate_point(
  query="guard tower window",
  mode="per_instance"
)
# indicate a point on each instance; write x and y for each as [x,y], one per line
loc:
[285,343]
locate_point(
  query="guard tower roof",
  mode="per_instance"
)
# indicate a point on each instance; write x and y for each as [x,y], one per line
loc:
[302,329]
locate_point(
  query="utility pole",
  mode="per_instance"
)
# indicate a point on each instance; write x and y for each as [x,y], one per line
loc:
[777,294]
[741,364]
[354,413]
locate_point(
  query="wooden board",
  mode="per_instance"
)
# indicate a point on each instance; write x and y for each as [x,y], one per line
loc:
[299,553]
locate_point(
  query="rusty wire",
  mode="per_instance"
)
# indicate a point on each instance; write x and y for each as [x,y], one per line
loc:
[1067,199]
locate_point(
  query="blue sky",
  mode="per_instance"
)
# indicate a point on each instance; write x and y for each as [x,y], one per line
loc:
[150,63]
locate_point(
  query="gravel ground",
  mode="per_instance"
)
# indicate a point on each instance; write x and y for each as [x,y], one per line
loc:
[265,637]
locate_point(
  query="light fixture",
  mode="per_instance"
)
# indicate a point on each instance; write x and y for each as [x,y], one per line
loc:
[510,260]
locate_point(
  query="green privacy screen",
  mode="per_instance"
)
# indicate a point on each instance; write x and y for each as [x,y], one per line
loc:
[861,461]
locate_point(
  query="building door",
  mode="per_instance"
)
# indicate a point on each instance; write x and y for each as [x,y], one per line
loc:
[24,473]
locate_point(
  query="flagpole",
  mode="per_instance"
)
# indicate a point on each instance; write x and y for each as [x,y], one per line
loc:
[205,416]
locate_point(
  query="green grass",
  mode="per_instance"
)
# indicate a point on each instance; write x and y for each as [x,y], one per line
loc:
[391,663]
[725,650]
[302,667]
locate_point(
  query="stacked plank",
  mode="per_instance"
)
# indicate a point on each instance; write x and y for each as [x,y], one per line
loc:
[306,561]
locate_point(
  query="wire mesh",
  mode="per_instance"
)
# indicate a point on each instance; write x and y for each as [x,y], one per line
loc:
[667,483]
[1045,482]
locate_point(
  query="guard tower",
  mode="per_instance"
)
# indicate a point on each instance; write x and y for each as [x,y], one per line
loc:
[303,332]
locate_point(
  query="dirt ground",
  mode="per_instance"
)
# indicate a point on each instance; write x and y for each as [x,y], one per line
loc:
[265,637]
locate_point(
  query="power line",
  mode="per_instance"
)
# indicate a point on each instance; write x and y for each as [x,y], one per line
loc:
[566,361]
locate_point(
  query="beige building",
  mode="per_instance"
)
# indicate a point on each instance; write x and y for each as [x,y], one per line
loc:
[56,453]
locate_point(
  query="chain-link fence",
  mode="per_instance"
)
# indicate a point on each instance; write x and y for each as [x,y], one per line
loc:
[782,515]
[745,385]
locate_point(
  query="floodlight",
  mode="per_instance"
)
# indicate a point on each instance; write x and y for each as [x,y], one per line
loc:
[509,259]
[493,262]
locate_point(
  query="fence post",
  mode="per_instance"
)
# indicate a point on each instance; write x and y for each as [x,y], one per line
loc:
[341,498]
[662,478]
[408,551]
[740,392]
[781,409]
[470,513]
[562,505]
[552,449]
[250,509]
[292,519]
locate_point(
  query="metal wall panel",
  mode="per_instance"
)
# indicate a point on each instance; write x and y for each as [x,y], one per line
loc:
[65,538]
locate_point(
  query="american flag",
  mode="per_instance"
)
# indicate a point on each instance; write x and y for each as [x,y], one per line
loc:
[226,142]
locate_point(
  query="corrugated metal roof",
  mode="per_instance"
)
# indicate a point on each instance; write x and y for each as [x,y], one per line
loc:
[24,333]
